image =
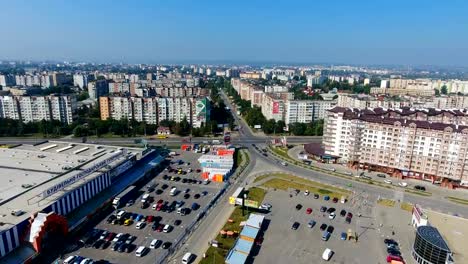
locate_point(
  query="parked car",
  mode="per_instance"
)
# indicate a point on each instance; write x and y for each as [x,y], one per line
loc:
[295,226]
[420,188]
[323,209]
[177,222]
[350,215]
[380,175]
[309,211]
[390,241]
[166,245]
[344,236]
[388,181]
[306,192]
[343,213]
[392,257]
[331,210]
[335,200]
[155,243]
[140,225]
[316,196]
[195,206]
[196,196]
[298,207]
[311,223]
[403,184]
[348,220]
[323,227]
[326,198]
[330,229]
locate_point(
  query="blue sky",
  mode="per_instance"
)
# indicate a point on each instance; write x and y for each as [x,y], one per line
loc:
[357,32]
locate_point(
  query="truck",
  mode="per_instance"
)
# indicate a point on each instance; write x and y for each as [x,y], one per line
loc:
[123,197]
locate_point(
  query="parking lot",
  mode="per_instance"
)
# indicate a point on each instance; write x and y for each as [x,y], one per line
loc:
[159,207]
[282,244]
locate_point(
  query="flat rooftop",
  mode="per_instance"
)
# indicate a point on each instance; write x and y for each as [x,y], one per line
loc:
[26,171]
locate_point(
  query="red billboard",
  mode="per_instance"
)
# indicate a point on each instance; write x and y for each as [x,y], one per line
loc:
[275,107]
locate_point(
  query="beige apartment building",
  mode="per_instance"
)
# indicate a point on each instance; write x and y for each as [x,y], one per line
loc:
[426,144]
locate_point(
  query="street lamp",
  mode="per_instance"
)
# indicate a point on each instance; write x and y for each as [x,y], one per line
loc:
[243,204]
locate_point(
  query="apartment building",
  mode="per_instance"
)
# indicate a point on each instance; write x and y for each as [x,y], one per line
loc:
[306,111]
[7,80]
[250,75]
[362,101]
[82,80]
[153,110]
[274,105]
[424,144]
[38,108]
[97,88]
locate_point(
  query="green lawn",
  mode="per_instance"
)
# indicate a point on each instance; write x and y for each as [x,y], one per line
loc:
[285,182]
[256,194]
[261,177]
[406,206]
[457,200]
[386,202]
[418,192]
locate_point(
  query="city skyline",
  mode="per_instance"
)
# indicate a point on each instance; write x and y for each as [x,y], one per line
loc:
[416,33]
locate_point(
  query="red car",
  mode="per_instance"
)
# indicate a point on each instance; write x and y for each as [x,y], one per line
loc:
[160,228]
[160,201]
[110,236]
[335,200]
[149,218]
[198,170]
[309,211]
[159,207]
[350,215]
[393,257]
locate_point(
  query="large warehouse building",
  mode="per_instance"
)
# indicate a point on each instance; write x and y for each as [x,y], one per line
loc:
[51,188]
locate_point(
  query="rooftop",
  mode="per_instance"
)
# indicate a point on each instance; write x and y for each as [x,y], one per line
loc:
[27,171]
[432,235]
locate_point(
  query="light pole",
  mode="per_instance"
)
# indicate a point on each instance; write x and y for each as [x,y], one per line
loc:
[243,204]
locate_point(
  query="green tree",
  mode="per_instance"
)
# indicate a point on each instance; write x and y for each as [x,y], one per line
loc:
[436,92]
[269,126]
[80,131]
[443,89]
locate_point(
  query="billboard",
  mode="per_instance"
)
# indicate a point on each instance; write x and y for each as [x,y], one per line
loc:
[275,107]
[59,186]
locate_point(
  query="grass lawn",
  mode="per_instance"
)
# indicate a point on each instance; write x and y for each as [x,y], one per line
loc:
[406,206]
[457,200]
[261,177]
[284,182]
[217,255]
[418,192]
[256,194]
[386,202]
[281,151]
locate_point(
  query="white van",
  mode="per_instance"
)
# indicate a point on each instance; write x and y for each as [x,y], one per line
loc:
[69,260]
[173,191]
[120,214]
[155,243]
[141,251]
[188,258]
[327,254]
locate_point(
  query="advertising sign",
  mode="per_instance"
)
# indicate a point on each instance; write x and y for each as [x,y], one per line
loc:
[275,107]
[59,186]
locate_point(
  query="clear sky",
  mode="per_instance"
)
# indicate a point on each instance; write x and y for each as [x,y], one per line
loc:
[357,32]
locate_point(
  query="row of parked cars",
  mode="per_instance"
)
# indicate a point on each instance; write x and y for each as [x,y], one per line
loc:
[82,260]
[393,250]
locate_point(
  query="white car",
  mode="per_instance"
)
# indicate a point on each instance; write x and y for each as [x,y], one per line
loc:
[86,261]
[155,243]
[154,206]
[284,163]
[388,181]
[117,237]
[140,225]
[167,228]
[265,206]
[332,215]
[306,192]
[327,254]
[403,184]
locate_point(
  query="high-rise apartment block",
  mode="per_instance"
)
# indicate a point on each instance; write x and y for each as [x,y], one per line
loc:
[38,108]
[426,144]
[153,110]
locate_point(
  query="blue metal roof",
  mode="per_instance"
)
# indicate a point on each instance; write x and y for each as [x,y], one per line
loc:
[249,231]
[236,257]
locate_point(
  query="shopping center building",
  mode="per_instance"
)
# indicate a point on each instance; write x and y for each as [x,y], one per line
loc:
[51,188]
